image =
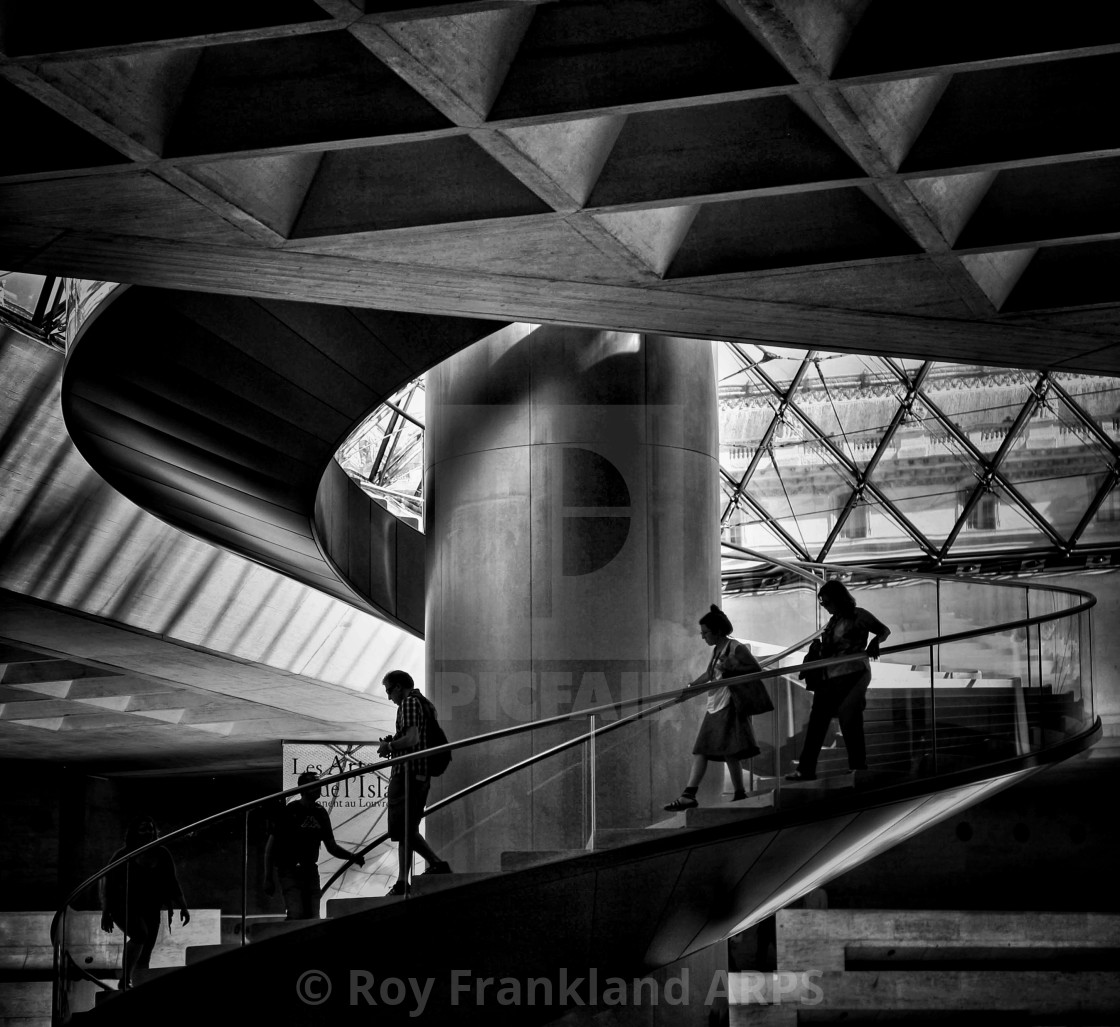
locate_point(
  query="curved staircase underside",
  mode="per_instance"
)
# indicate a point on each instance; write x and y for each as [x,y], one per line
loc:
[624,912]
[221,415]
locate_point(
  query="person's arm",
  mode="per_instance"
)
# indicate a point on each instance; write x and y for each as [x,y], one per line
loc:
[175,892]
[409,738]
[695,683]
[876,628]
[332,846]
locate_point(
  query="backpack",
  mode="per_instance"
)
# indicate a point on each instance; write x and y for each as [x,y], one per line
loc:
[438,763]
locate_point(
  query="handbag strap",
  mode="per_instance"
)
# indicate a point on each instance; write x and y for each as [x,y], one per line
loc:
[716,655]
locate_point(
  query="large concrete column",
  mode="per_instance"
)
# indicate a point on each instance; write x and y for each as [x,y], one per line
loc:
[573,531]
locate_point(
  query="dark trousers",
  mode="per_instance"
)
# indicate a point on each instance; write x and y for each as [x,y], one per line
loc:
[141,933]
[843,698]
[300,886]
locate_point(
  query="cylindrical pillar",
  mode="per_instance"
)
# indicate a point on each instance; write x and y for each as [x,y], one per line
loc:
[572,517]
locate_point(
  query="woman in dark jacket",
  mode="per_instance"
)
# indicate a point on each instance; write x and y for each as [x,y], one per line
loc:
[843,692]
[725,735]
[135,894]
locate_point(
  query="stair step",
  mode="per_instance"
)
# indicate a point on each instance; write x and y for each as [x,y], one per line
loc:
[143,976]
[197,953]
[260,931]
[715,816]
[517,859]
[231,926]
[836,779]
[1107,748]
[616,837]
[425,884]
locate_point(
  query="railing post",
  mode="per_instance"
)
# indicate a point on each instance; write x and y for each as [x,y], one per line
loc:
[59,987]
[933,704]
[937,608]
[1088,666]
[780,688]
[1040,681]
[1027,633]
[591,724]
[406,838]
[244,874]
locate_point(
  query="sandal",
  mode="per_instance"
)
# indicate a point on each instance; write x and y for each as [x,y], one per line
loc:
[739,796]
[440,866]
[684,802]
[798,776]
[400,888]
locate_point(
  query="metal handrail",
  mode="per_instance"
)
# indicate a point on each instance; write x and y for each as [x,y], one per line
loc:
[570,743]
[655,702]
[672,694]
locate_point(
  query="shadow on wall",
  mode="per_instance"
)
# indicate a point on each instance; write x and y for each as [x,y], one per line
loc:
[68,538]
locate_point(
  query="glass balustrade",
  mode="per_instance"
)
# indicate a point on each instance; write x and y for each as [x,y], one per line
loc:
[975,675]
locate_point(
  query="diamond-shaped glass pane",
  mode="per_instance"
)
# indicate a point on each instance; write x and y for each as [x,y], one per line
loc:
[1057,465]
[385,455]
[997,522]
[851,400]
[870,530]
[745,525]
[1098,397]
[760,370]
[1105,525]
[799,483]
[982,402]
[923,472]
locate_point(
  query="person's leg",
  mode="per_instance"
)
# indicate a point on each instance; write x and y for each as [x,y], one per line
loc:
[398,827]
[735,772]
[419,843]
[404,857]
[850,715]
[687,798]
[309,893]
[422,848]
[824,709]
[150,919]
[699,769]
[133,931]
[292,890]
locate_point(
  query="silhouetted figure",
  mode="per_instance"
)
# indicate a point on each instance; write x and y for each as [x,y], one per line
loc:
[292,850]
[411,735]
[725,735]
[843,692]
[134,895]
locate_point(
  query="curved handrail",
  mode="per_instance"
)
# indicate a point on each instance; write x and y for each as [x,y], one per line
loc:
[647,705]
[570,743]
[668,697]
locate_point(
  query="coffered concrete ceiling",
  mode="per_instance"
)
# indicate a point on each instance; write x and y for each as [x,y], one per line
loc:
[938,179]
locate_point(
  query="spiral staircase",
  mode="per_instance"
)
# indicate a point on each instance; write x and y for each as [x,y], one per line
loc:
[224,430]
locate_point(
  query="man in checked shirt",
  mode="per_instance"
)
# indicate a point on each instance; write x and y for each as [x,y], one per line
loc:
[411,736]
